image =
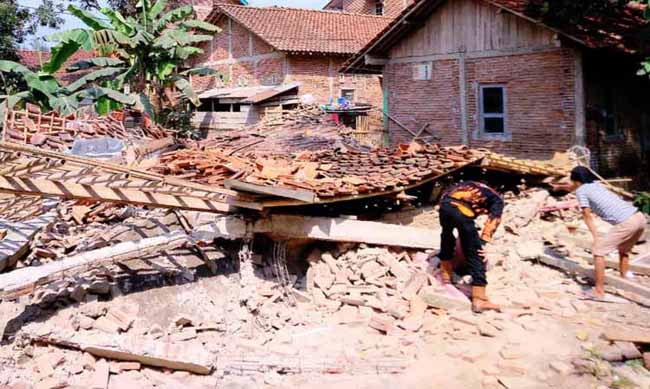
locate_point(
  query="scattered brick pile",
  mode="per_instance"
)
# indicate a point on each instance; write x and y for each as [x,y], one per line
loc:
[390,289]
[210,166]
[56,133]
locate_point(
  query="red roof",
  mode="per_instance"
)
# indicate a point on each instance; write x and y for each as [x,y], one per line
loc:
[33,60]
[306,31]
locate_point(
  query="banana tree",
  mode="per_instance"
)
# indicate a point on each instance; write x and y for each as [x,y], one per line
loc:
[147,51]
[43,89]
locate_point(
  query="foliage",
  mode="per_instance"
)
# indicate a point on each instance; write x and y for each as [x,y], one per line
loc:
[43,89]
[13,23]
[180,119]
[569,12]
[145,51]
[643,202]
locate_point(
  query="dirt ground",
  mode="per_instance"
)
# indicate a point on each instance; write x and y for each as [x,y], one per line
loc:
[547,336]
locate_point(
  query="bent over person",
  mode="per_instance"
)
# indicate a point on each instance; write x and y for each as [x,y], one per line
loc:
[628,223]
[459,206]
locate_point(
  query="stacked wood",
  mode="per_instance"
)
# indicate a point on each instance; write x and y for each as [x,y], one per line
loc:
[500,162]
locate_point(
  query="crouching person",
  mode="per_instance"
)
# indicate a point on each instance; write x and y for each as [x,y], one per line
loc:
[628,224]
[460,205]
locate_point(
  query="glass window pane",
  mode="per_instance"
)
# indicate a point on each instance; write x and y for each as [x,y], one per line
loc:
[494,125]
[493,100]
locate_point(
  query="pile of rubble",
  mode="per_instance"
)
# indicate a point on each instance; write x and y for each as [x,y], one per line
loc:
[303,129]
[327,173]
[391,290]
[58,134]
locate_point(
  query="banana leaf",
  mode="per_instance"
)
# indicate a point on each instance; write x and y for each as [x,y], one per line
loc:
[89,19]
[94,62]
[94,76]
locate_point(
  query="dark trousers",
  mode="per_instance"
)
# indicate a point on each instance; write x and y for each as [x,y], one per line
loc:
[452,219]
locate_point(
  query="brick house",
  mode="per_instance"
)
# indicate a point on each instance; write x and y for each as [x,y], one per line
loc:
[389,8]
[272,47]
[483,73]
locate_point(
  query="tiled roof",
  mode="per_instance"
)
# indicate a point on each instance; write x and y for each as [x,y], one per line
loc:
[33,59]
[306,31]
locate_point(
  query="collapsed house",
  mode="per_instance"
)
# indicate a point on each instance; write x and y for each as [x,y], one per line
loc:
[116,273]
[484,74]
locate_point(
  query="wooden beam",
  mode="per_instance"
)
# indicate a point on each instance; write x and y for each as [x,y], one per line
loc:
[572,267]
[296,194]
[348,230]
[318,228]
[158,353]
[19,234]
[26,150]
[25,280]
[374,60]
[46,188]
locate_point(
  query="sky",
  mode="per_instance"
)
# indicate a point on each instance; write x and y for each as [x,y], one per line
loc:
[72,22]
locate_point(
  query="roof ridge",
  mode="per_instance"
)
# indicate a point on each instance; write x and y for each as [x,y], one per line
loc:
[315,10]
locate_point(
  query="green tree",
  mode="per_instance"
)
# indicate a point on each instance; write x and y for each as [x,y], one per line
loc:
[563,13]
[43,89]
[147,51]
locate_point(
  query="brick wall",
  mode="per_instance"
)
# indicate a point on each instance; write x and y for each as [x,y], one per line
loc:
[539,94]
[319,77]
[241,57]
[246,60]
[416,103]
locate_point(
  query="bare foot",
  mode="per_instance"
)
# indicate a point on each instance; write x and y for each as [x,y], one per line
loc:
[593,294]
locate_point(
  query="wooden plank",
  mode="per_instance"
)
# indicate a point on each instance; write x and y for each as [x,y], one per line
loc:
[613,264]
[627,335]
[318,228]
[296,194]
[25,280]
[26,150]
[572,267]
[46,188]
[158,353]
[374,60]
[19,234]
[348,230]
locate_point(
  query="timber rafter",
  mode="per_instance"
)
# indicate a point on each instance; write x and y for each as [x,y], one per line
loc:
[29,171]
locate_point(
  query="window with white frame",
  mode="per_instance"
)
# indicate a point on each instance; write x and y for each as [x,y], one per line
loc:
[379,7]
[422,71]
[348,94]
[493,109]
